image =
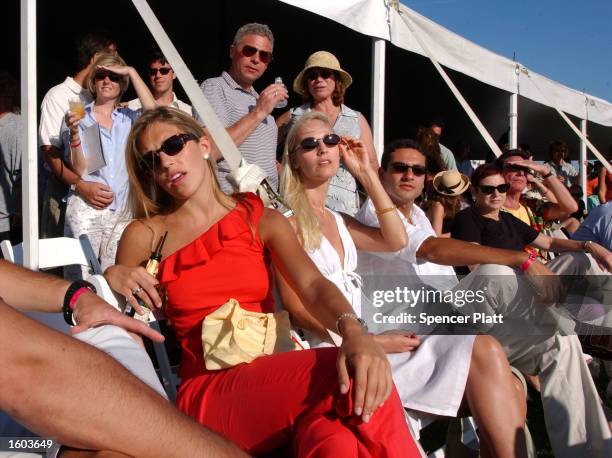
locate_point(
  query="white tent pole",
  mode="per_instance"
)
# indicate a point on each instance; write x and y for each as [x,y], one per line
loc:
[582,137]
[464,104]
[29,162]
[378,95]
[583,158]
[513,119]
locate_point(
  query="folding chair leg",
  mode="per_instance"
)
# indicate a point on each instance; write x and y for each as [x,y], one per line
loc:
[161,354]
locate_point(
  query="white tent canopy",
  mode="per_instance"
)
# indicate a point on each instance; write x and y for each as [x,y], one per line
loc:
[377,19]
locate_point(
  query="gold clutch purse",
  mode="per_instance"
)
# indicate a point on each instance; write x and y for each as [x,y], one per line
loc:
[232,335]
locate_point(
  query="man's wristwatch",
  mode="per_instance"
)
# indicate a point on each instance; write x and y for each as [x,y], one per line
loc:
[548,175]
[586,246]
[73,292]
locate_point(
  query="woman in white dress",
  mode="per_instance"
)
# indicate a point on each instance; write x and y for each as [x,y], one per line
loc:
[477,373]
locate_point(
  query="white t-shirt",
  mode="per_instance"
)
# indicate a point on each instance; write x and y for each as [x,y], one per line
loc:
[54,107]
[136,105]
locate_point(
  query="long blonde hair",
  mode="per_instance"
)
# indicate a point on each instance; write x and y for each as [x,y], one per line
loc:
[146,199]
[291,188]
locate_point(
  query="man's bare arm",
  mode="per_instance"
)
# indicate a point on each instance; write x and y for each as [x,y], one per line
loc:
[62,172]
[62,388]
[452,252]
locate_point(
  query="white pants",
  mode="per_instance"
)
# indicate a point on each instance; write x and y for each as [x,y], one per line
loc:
[102,227]
[575,421]
[115,342]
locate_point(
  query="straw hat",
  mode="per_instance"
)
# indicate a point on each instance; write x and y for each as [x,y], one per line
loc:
[450,183]
[322,59]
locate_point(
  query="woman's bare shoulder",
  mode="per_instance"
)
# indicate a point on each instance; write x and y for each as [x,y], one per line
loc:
[140,235]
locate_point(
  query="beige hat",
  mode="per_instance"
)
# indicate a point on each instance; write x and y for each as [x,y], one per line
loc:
[451,183]
[322,59]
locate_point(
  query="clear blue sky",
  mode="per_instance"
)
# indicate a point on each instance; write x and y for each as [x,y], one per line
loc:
[569,41]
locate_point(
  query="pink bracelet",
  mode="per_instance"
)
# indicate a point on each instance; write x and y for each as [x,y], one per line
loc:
[530,260]
[76,296]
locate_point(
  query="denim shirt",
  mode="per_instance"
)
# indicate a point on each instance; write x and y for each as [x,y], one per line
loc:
[114,174]
[342,195]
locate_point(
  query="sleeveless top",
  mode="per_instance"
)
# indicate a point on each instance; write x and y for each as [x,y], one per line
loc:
[340,272]
[342,195]
[227,261]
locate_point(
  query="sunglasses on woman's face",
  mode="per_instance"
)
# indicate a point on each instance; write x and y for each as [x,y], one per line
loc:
[162,70]
[100,76]
[250,51]
[311,143]
[402,167]
[324,73]
[171,146]
[487,189]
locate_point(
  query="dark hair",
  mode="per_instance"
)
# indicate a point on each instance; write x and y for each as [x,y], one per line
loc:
[437,122]
[157,56]
[89,44]
[451,204]
[501,160]
[431,147]
[337,96]
[483,171]
[9,93]
[558,146]
[525,147]
[395,145]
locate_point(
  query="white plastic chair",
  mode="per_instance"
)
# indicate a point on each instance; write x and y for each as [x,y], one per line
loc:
[66,251]
[56,252]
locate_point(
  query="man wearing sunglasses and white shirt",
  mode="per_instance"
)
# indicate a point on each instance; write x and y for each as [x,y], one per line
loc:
[161,79]
[575,420]
[244,112]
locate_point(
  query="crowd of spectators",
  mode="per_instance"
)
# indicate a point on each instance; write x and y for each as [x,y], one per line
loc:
[124,173]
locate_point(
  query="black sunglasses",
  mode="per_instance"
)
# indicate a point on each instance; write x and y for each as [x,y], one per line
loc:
[100,76]
[402,167]
[510,167]
[487,189]
[324,73]
[250,51]
[162,70]
[311,143]
[171,146]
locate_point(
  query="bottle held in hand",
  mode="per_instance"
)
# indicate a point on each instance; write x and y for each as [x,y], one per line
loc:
[152,267]
[282,103]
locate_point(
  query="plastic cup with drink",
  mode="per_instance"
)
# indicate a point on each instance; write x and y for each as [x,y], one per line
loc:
[77,107]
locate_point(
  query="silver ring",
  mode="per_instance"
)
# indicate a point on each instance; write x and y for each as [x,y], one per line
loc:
[137,290]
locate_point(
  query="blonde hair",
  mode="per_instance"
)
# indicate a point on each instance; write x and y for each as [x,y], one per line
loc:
[146,198]
[309,230]
[107,59]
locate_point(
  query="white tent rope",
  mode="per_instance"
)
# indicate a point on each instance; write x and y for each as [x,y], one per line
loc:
[217,131]
[572,126]
[464,104]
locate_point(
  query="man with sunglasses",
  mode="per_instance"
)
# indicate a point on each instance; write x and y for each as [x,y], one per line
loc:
[54,106]
[161,80]
[245,113]
[575,421]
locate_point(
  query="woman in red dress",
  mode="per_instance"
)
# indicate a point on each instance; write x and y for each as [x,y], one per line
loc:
[320,403]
